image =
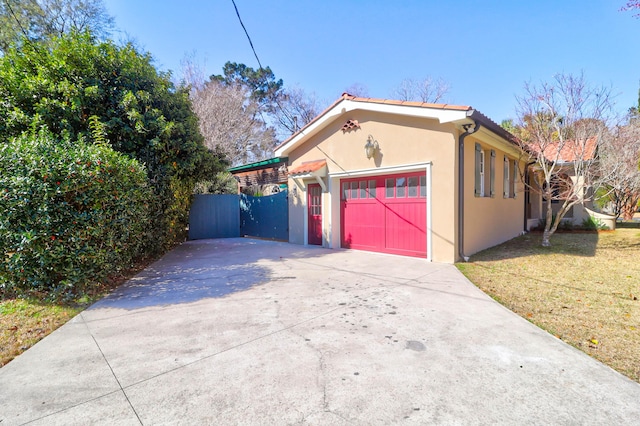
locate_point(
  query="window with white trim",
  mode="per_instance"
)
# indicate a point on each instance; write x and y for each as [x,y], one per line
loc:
[481,173]
[509,177]
[484,187]
[506,182]
[515,178]
[359,189]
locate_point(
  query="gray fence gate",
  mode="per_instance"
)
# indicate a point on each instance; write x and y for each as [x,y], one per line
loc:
[228,216]
[265,217]
[214,216]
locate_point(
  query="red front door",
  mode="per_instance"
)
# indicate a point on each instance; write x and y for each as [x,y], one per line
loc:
[314,203]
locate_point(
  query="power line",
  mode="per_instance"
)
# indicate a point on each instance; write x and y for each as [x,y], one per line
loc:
[22,29]
[24,32]
[245,31]
[284,111]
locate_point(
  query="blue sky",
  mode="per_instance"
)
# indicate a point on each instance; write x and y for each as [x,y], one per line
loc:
[485,50]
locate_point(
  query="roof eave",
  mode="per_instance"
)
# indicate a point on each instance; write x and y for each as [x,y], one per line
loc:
[258,165]
[494,127]
[442,113]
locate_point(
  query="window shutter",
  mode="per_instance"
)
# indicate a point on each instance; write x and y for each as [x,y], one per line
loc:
[492,177]
[515,177]
[505,177]
[478,190]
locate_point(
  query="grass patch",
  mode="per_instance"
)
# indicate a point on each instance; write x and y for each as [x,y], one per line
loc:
[584,289]
[23,322]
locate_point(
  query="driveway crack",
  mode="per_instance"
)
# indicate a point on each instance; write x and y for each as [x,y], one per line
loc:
[321,379]
[112,372]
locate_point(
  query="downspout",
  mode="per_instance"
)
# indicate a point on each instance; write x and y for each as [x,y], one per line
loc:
[468,130]
[527,197]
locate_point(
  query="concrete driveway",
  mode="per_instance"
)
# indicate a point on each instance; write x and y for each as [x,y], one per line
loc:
[239,331]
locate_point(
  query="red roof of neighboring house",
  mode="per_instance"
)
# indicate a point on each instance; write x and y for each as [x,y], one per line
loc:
[308,167]
[570,150]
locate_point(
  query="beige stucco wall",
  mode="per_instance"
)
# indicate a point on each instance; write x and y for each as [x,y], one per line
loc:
[575,216]
[296,213]
[535,200]
[489,221]
[403,141]
[406,141]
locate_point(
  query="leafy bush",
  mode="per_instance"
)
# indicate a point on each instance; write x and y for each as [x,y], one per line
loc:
[79,88]
[222,183]
[593,224]
[70,213]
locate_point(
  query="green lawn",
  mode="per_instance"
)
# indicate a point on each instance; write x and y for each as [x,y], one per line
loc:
[25,322]
[584,289]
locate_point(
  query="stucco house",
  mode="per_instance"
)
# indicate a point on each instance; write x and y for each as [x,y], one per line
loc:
[568,183]
[429,180]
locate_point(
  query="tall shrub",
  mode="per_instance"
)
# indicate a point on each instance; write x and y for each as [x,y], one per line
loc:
[73,86]
[70,214]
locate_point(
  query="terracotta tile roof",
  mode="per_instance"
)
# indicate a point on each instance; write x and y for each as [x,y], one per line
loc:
[406,103]
[570,150]
[308,167]
[477,115]
[347,96]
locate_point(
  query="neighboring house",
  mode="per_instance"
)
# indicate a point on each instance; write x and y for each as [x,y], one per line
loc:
[266,177]
[429,180]
[565,184]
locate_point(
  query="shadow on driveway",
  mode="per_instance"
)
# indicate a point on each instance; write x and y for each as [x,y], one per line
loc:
[199,270]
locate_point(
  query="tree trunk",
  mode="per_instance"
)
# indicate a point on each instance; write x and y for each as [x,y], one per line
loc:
[546,234]
[629,208]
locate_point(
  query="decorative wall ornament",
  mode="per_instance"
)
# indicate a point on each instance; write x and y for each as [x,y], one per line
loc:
[350,125]
[371,147]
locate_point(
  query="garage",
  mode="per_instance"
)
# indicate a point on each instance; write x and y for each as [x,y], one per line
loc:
[379,163]
[386,213]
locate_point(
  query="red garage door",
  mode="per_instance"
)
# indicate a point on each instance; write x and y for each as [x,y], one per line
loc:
[385,213]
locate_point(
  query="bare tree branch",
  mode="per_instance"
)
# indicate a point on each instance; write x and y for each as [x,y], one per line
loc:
[230,119]
[358,89]
[561,125]
[619,160]
[42,19]
[230,123]
[426,90]
[295,109]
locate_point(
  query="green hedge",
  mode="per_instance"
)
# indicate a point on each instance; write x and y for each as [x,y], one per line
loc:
[76,86]
[70,214]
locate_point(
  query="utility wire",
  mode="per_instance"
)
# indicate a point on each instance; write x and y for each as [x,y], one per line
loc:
[245,31]
[24,32]
[283,110]
[36,48]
